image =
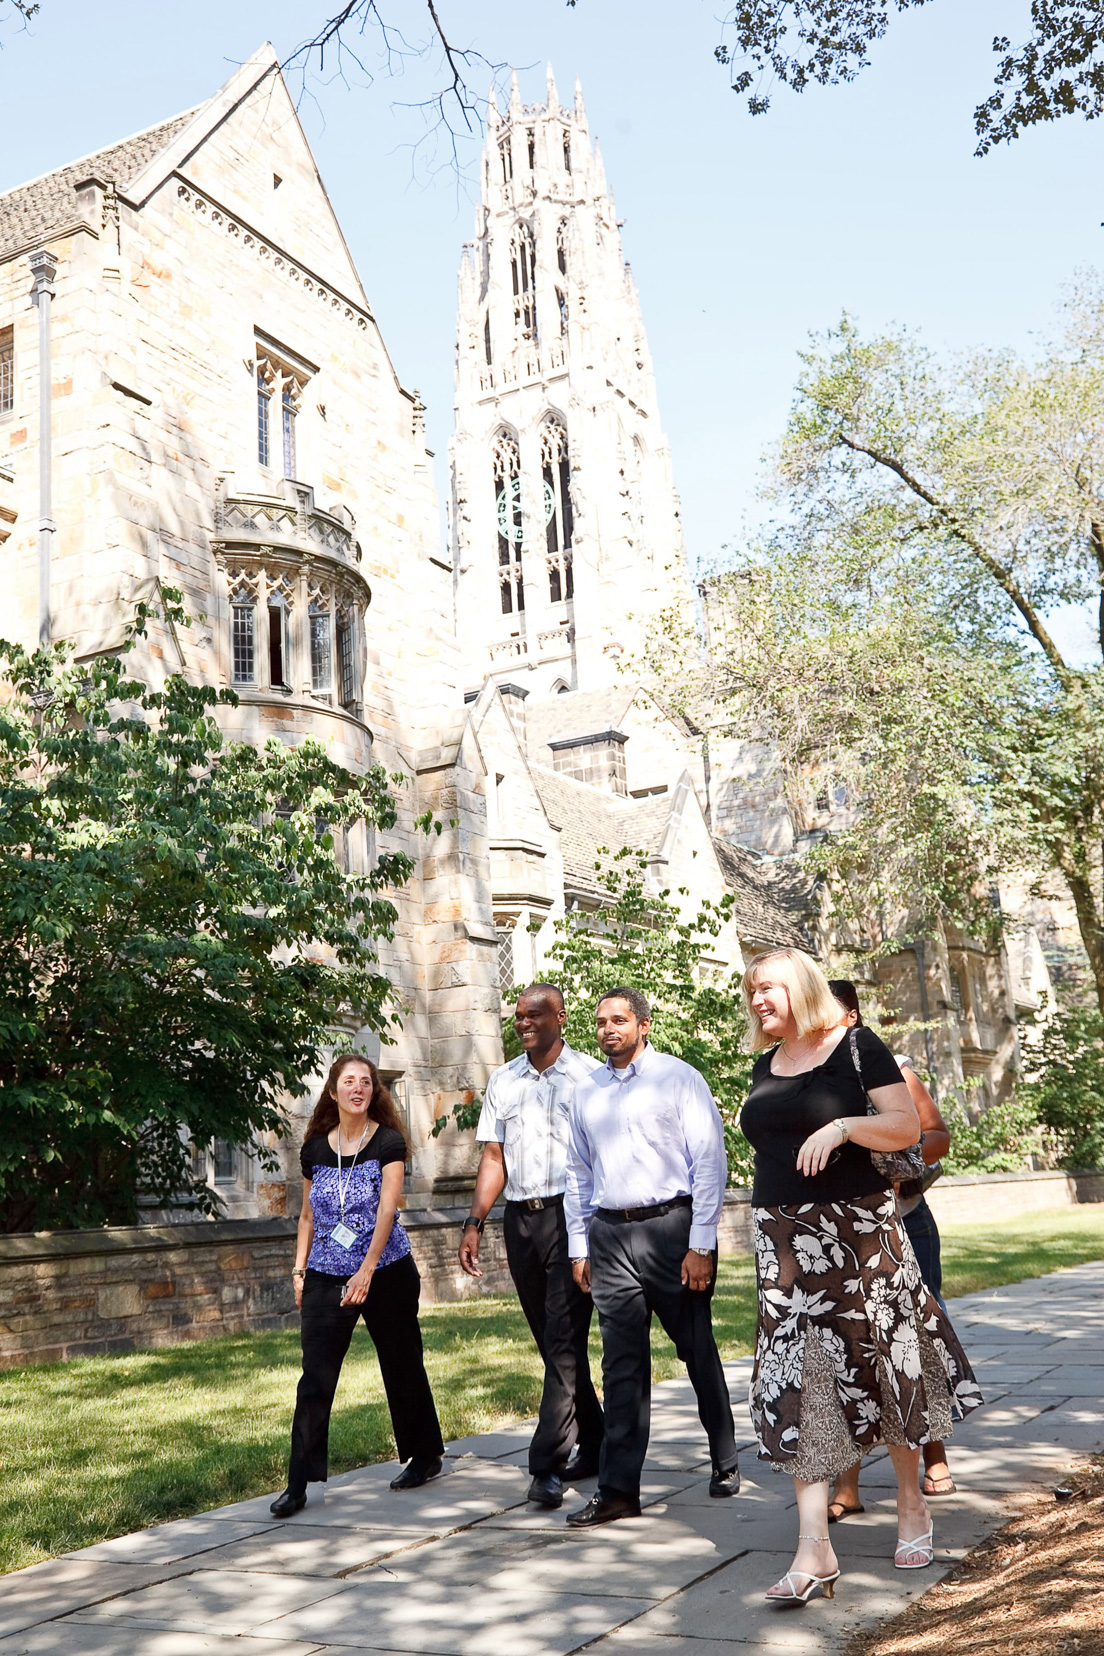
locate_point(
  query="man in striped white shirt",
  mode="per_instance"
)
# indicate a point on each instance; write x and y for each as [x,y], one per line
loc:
[523,1127]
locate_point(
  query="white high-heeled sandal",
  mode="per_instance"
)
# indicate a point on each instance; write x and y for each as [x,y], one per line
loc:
[922,1545]
[827,1584]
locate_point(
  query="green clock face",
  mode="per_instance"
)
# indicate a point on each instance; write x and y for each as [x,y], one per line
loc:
[509,510]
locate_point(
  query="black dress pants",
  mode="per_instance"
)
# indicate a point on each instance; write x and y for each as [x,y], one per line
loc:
[390,1314]
[635,1271]
[559,1315]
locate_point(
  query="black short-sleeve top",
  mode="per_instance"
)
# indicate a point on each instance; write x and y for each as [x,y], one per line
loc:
[782,1110]
[359,1181]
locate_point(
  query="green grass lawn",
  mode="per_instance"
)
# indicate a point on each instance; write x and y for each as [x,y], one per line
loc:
[105,1445]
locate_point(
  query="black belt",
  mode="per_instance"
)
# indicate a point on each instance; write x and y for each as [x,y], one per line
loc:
[533,1204]
[646,1212]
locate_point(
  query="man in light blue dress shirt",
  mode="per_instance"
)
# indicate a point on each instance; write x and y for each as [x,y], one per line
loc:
[523,1130]
[646,1177]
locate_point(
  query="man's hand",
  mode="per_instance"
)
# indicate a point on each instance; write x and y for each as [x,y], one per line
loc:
[580,1270]
[356,1289]
[697,1271]
[468,1253]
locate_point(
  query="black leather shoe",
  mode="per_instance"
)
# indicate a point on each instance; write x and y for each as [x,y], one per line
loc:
[417,1472]
[580,1466]
[722,1484]
[287,1504]
[546,1491]
[604,1509]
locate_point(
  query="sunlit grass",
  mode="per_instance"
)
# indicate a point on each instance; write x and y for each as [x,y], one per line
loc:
[105,1445]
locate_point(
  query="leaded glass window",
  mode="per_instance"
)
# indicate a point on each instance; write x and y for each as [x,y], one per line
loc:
[321,646]
[243,643]
[7,371]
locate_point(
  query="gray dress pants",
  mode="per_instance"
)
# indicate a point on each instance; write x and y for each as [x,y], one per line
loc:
[635,1272]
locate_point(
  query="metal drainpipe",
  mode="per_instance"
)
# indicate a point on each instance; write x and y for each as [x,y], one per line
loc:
[922,978]
[44,269]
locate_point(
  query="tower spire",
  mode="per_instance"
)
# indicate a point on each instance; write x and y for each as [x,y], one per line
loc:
[551,96]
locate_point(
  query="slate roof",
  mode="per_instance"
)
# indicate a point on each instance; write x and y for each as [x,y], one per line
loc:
[768,910]
[574,713]
[33,212]
[587,818]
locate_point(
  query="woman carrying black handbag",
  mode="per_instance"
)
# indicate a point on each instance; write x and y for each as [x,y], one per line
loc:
[852,1350]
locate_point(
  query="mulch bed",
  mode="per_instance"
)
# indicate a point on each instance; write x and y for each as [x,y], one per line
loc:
[1035,1588]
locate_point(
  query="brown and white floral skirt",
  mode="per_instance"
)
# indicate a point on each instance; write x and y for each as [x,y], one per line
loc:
[852,1350]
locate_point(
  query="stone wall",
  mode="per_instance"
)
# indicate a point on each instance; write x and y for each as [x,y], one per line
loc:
[86,1293]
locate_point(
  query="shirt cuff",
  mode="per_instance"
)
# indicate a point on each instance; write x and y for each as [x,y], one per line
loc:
[703,1236]
[577,1247]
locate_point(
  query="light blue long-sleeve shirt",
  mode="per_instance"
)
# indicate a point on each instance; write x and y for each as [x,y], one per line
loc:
[640,1136]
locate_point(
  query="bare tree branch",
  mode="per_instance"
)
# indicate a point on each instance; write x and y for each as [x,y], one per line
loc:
[454,110]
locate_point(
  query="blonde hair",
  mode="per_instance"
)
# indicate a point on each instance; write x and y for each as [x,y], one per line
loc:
[813,1005]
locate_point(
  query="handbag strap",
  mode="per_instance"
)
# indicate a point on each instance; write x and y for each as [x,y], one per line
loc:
[853,1043]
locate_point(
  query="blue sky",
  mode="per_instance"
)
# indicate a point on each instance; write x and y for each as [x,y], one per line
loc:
[743,234]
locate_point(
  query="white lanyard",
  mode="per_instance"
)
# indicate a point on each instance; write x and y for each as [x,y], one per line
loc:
[343,1188]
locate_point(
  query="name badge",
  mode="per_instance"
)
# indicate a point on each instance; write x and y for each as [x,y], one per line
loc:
[343,1236]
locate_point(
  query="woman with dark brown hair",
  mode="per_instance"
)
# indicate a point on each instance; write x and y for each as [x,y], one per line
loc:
[353,1260]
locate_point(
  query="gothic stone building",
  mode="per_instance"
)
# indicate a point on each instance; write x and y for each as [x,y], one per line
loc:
[226,420]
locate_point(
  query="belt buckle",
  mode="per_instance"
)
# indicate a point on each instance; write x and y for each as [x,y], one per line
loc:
[535,1204]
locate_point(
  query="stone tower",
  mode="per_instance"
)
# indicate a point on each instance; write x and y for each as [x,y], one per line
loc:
[565,522]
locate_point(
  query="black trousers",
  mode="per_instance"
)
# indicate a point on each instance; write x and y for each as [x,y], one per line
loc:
[559,1315]
[391,1316]
[635,1271]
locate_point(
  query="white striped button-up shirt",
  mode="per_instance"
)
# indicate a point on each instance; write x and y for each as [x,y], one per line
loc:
[526,1111]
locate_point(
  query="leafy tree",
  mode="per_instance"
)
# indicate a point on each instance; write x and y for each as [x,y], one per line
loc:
[640,938]
[1067,1092]
[179,941]
[892,640]
[1058,70]
[1001,1139]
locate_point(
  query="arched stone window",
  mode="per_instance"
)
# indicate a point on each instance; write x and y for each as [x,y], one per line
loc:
[561,247]
[558,519]
[507,486]
[561,300]
[523,273]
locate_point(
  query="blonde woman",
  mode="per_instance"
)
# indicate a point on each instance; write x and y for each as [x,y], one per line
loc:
[852,1350]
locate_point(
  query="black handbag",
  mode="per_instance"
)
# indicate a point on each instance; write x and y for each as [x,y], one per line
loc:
[898,1166]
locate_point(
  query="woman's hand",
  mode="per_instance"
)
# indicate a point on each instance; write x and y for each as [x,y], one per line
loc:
[816,1152]
[356,1289]
[298,1284]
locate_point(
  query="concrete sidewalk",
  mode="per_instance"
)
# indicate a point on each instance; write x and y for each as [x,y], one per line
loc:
[464,1565]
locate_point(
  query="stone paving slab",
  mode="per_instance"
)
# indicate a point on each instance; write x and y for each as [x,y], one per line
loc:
[73,1639]
[444,1619]
[465,1562]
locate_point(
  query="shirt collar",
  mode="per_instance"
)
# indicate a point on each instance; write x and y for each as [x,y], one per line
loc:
[638,1065]
[557,1068]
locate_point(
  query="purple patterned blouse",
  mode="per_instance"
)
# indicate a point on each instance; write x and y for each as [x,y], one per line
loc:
[362,1194]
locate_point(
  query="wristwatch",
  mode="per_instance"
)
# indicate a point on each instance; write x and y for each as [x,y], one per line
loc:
[472,1220]
[706,1253]
[842,1125]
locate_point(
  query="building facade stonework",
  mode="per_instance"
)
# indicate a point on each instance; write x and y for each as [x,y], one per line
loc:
[227,421]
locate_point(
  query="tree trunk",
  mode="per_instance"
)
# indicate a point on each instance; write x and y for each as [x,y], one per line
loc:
[1089,921]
